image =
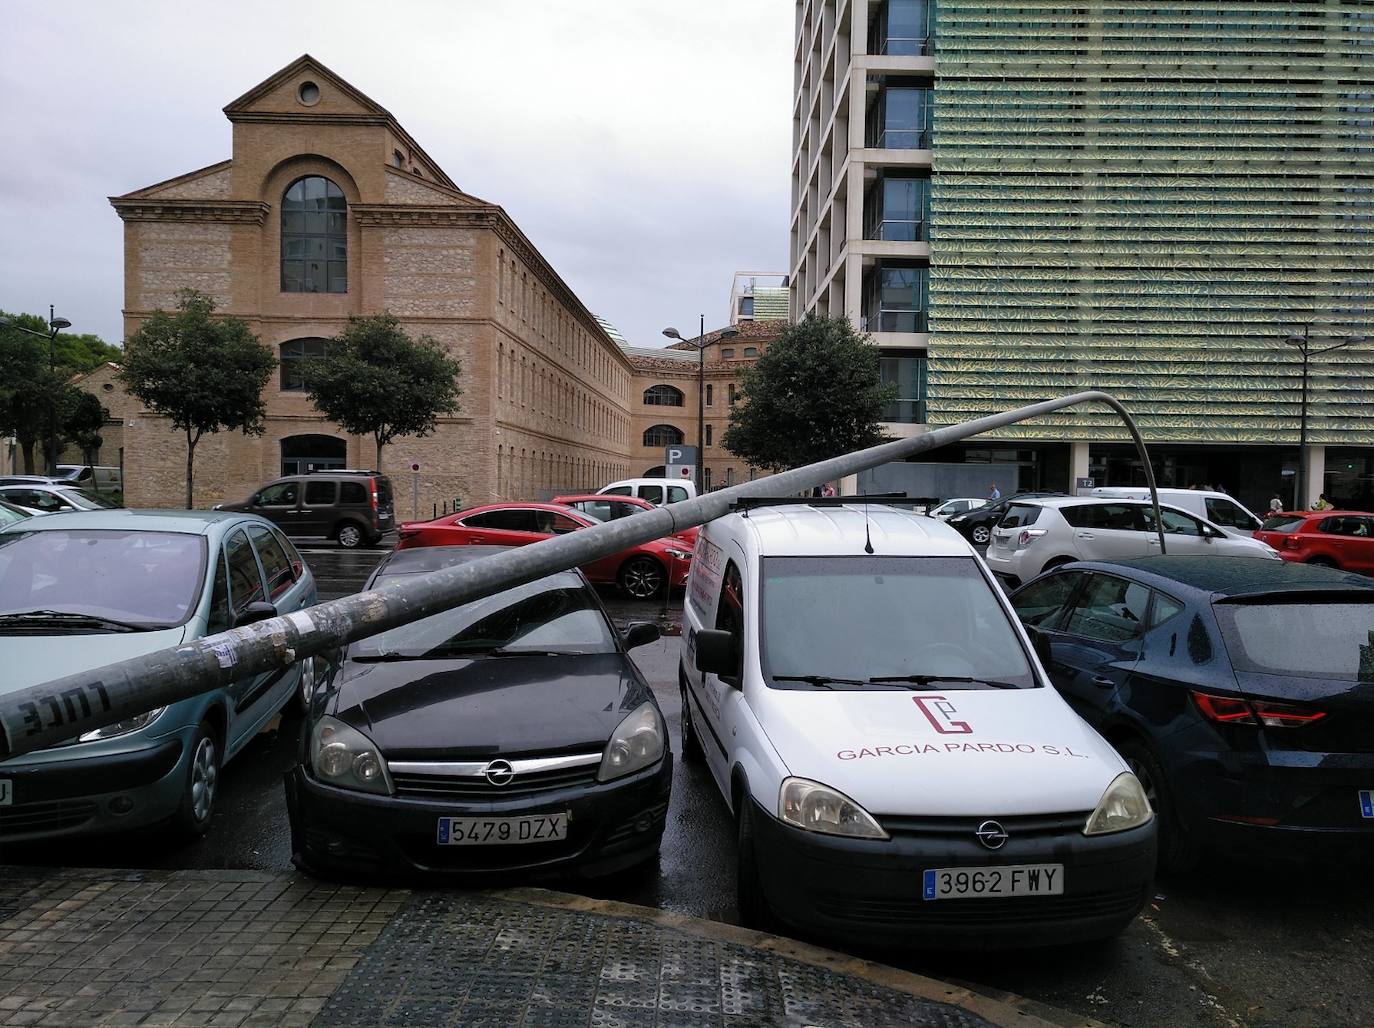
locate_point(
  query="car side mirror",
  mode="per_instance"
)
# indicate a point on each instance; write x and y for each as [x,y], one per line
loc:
[718,654]
[1040,643]
[260,610]
[641,633]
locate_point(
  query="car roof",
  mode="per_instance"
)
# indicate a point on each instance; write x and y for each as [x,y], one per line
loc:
[1238,576]
[840,529]
[601,498]
[421,560]
[197,522]
[1311,515]
[1056,502]
[557,508]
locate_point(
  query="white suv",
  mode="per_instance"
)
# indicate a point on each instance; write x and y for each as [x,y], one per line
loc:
[1036,535]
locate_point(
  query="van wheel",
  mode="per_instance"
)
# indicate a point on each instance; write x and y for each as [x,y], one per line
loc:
[350,535]
[641,578]
[1177,851]
[692,752]
[981,534]
[754,911]
[201,787]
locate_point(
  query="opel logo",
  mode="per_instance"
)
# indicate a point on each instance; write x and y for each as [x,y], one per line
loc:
[990,834]
[499,772]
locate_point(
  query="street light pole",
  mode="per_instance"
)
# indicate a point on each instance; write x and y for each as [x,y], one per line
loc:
[1303,343]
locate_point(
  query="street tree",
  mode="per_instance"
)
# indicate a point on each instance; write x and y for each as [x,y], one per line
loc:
[813,395]
[376,380]
[204,373]
[34,387]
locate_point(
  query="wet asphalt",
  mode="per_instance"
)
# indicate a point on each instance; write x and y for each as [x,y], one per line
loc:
[1236,943]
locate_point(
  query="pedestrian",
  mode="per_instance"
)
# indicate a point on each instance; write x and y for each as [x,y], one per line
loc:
[827,490]
[1322,502]
[994,493]
[1275,505]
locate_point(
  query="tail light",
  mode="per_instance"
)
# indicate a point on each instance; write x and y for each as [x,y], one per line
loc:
[1028,535]
[1291,542]
[1229,710]
[372,493]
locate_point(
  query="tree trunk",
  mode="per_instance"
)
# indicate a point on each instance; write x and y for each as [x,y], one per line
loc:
[190,467]
[26,445]
[380,444]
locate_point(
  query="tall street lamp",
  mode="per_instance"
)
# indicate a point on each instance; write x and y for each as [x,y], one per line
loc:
[725,333]
[55,325]
[1304,345]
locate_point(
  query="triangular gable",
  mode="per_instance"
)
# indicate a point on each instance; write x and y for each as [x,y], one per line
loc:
[278,94]
[403,187]
[210,183]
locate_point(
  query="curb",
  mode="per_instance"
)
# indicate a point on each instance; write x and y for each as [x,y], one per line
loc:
[1002,1008]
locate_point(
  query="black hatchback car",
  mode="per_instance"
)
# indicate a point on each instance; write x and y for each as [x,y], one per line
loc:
[513,733]
[1240,691]
[976,525]
[351,507]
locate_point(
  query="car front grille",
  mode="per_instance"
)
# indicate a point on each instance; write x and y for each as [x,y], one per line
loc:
[467,780]
[1022,826]
[45,817]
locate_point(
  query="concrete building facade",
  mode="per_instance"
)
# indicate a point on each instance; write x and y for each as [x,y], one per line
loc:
[327,208]
[1025,200]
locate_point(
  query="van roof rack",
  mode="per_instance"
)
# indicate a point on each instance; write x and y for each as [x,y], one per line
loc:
[888,499]
[342,471]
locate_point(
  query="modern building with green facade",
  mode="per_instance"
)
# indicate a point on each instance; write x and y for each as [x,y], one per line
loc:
[1027,198]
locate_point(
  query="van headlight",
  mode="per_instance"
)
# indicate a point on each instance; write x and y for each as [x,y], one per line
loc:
[342,756]
[814,807]
[636,743]
[129,724]
[1122,806]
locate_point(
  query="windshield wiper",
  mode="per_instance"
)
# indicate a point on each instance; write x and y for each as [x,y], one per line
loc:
[454,654]
[58,617]
[819,681]
[920,681]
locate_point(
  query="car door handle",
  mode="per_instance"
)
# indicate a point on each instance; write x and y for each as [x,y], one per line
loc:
[1086,535]
[1103,682]
[473,540]
[1152,540]
[305,512]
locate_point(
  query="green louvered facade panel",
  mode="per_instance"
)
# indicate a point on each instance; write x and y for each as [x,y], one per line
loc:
[1146,198]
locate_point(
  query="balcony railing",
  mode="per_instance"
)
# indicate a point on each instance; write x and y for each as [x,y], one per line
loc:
[893,320]
[898,230]
[903,46]
[900,139]
[905,412]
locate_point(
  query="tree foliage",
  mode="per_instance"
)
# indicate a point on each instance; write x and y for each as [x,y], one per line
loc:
[813,395]
[206,374]
[378,381]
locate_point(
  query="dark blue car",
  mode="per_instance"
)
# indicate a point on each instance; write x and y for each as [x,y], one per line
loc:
[1241,693]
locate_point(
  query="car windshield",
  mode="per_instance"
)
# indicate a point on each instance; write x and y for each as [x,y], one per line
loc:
[9,514]
[554,615]
[1282,523]
[1330,640]
[147,579]
[842,622]
[82,498]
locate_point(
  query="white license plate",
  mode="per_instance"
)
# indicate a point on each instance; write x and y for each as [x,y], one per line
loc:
[978,882]
[1366,801]
[6,792]
[502,831]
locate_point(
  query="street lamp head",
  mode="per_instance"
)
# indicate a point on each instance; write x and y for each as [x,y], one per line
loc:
[57,324]
[672,333]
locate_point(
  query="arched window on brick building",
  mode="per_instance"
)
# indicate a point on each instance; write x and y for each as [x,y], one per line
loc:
[663,396]
[314,237]
[662,435]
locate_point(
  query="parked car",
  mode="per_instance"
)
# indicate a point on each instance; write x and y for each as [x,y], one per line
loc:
[98,478]
[641,572]
[606,507]
[354,508]
[1241,692]
[84,589]
[897,766]
[1333,538]
[959,505]
[511,733]
[657,491]
[47,480]
[1037,535]
[1215,507]
[49,499]
[977,524]
[9,514]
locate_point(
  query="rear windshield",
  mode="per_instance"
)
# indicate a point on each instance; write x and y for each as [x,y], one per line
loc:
[1330,640]
[151,579]
[1282,523]
[1020,515]
[861,618]
[89,498]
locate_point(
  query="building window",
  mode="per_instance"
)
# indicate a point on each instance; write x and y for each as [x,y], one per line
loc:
[905,369]
[398,158]
[706,479]
[663,396]
[662,435]
[710,394]
[293,356]
[746,306]
[898,208]
[902,28]
[301,454]
[710,435]
[899,117]
[751,351]
[729,351]
[314,239]
[896,296]
[732,394]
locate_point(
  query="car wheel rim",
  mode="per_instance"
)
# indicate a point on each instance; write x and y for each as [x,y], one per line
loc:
[204,779]
[981,535]
[349,536]
[642,580]
[307,680]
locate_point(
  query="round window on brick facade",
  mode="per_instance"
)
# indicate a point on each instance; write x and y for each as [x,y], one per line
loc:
[308,93]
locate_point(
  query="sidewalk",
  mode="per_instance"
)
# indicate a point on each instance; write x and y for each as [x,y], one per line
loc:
[243,948]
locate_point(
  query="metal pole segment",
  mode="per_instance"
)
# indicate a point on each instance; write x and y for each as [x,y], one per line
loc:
[44,715]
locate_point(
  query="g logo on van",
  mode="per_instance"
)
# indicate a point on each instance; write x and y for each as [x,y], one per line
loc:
[940,713]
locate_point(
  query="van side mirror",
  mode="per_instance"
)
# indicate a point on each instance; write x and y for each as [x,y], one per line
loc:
[718,654]
[641,633]
[1040,643]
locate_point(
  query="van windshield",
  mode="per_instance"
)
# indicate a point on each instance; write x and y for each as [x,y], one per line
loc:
[885,622]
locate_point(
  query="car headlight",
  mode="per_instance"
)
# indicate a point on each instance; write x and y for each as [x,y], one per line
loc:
[129,724]
[1122,806]
[636,743]
[679,554]
[341,755]
[818,808]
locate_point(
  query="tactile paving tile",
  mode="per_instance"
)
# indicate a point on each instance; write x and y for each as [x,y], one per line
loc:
[475,960]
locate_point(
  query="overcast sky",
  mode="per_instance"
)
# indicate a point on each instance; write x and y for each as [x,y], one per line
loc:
[643,146]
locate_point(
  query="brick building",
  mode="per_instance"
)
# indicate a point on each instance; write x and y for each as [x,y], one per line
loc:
[328,208]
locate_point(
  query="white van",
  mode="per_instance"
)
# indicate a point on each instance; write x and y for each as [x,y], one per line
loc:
[657,491]
[898,765]
[1218,508]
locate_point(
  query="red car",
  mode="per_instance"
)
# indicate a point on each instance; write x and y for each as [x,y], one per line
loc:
[605,507]
[1333,538]
[640,572]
